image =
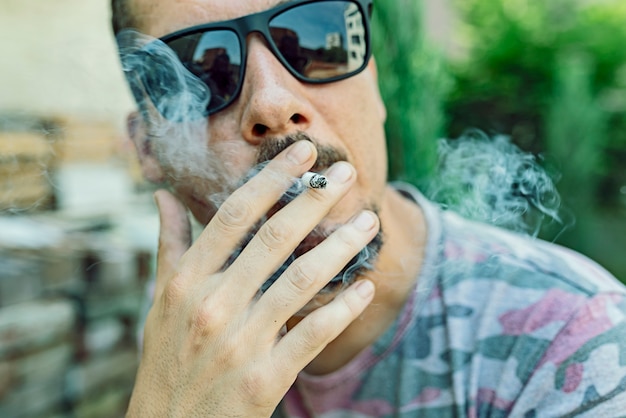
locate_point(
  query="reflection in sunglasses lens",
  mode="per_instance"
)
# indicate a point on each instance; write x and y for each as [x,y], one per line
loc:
[333,46]
[215,58]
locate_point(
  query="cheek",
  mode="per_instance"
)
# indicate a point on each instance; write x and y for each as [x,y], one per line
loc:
[204,179]
[236,155]
[358,121]
[354,105]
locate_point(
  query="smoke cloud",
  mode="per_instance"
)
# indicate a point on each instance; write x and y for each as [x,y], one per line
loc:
[489,179]
[172,103]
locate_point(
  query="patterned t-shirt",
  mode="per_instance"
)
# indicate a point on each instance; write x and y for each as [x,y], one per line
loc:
[499,325]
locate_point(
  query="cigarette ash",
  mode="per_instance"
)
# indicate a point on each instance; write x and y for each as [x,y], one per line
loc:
[314,180]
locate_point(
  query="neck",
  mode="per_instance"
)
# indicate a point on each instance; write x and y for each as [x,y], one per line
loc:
[395,273]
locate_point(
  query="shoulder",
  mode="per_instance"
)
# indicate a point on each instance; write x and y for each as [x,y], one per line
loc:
[483,252]
[553,317]
[515,285]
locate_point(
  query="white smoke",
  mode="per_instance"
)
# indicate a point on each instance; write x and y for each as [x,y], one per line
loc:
[489,179]
[172,102]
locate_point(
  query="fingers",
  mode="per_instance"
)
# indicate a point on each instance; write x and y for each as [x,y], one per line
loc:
[310,336]
[174,236]
[272,244]
[281,234]
[311,272]
[245,207]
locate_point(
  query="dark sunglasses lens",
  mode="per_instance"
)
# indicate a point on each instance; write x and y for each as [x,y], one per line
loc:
[215,58]
[321,40]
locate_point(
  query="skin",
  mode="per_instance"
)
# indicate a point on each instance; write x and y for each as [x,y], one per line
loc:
[212,346]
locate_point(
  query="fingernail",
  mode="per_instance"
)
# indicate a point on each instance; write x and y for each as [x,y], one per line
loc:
[364,288]
[339,172]
[364,221]
[300,152]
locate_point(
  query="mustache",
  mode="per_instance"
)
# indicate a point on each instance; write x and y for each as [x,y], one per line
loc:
[326,155]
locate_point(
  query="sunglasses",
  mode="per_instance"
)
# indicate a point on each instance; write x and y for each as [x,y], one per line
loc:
[317,41]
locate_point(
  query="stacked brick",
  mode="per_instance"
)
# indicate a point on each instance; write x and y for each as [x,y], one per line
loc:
[71,293]
[28,155]
[68,316]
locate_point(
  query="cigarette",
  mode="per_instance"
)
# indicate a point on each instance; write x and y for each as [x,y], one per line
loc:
[313,180]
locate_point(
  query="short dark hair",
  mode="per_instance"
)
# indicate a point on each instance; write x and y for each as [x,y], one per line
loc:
[121,16]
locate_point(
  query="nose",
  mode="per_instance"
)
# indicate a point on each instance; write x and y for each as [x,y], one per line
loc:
[273,101]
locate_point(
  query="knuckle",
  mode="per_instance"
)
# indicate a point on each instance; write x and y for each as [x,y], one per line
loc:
[233,215]
[350,240]
[275,234]
[255,381]
[257,387]
[207,319]
[174,292]
[315,334]
[300,278]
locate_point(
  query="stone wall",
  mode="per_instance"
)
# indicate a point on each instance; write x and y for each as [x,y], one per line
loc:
[75,257]
[68,318]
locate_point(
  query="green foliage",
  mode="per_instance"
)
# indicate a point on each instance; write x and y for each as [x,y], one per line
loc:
[414,84]
[508,82]
[576,134]
[576,128]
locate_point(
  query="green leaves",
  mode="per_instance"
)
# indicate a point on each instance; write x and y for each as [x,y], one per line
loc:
[414,84]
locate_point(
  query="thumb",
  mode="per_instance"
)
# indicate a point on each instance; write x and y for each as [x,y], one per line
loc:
[174,236]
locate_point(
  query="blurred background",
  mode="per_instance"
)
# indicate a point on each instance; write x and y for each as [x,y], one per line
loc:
[77,223]
[549,75]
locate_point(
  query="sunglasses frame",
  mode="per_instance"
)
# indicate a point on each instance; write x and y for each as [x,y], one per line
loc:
[259,23]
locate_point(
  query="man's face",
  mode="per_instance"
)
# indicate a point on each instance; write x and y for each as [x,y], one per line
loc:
[344,118]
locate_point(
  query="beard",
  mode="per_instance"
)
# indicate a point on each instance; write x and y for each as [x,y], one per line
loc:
[359,265]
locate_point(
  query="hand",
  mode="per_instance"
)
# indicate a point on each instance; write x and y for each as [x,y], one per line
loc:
[213,348]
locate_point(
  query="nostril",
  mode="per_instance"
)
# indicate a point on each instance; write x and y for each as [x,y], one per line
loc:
[259,129]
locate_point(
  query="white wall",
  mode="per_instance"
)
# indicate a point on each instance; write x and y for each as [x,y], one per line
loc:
[57,57]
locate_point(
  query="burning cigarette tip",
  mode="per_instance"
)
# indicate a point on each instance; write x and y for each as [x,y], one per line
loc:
[314,180]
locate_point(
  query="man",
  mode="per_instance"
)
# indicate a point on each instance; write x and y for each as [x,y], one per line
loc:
[433,315]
